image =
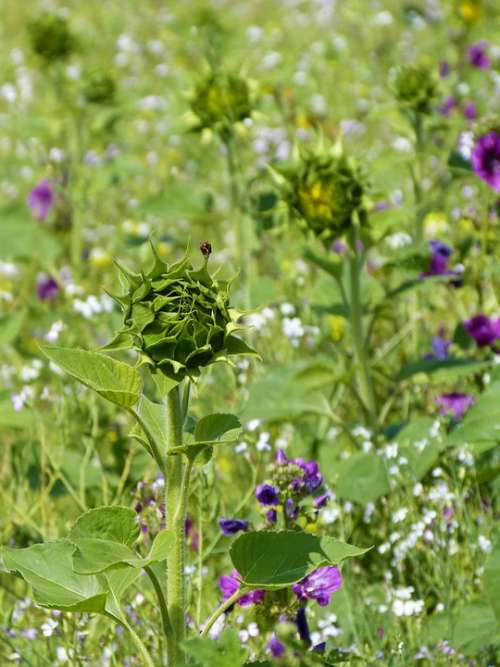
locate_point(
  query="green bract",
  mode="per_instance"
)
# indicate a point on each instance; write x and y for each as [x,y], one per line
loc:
[325,189]
[179,318]
[99,87]
[220,100]
[51,38]
[415,88]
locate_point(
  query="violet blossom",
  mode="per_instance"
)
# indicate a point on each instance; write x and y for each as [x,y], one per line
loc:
[483,329]
[232,526]
[267,494]
[46,287]
[229,584]
[449,103]
[440,257]
[41,199]
[486,159]
[478,56]
[454,403]
[275,647]
[470,111]
[319,585]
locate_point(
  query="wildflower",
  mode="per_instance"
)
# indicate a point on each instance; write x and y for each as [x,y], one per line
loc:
[303,625]
[478,56]
[267,494]
[486,159]
[232,526]
[449,103]
[220,100]
[229,584]
[441,254]
[484,330]
[319,585]
[41,199]
[444,69]
[46,287]
[415,88]
[276,648]
[470,110]
[454,403]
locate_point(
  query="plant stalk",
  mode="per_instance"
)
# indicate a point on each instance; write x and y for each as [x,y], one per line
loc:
[175,519]
[220,610]
[365,382]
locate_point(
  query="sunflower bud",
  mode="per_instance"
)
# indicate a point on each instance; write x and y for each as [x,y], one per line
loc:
[99,87]
[325,189]
[220,100]
[179,318]
[415,88]
[51,38]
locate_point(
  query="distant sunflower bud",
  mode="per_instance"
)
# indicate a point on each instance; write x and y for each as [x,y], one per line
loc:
[415,88]
[220,100]
[51,38]
[179,318]
[99,87]
[326,189]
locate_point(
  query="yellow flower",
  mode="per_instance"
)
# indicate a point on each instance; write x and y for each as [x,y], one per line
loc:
[100,259]
[469,10]
[336,326]
[435,223]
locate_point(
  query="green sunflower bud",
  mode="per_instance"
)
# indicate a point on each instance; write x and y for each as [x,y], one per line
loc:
[220,100]
[51,38]
[415,88]
[99,87]
[326,189]
[179,318]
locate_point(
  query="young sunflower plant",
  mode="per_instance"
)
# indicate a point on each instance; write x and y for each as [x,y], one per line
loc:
[178,320]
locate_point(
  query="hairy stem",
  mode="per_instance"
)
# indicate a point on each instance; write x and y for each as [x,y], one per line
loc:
[366,390]
[161,601]
[175,518]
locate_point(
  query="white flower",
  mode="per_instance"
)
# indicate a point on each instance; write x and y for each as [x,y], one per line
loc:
[398,240]
[263,442]
[252,425]
[484,544]
[48,627]
[62,654]
[400,515]
[287,309]
[402,144]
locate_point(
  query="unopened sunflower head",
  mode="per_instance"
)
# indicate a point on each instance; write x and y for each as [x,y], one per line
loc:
[178,318]
[220,100]
[415,88]
[99,87]
[325,189]
[51,37]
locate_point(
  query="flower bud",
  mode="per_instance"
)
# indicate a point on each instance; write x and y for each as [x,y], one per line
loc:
[179,318]
[415,88]
[99,87]
[51,38]
[220,100]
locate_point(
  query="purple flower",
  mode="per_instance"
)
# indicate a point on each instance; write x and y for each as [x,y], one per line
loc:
[272,516]
[454,403]
[484,330]
[46,287]
[478,57]
[232,526]
[321,501]
[303,625]
[470,110]
[276,648]
[291,509]
[41,199]
[281,458]
[439,260]
[229,584]
[444,69]
[486,159]
[312,478]
[319,585]
[440,347]
[267,494]
[339,247]
[449,103]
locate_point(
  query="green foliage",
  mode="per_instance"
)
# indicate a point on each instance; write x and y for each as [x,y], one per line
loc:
[111,379]
[362,478]
[275,560]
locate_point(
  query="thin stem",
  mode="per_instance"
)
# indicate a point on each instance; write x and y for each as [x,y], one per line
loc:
[220,610]
[356,316]
[161,601]
[148,660]
[175,517]
[152,443]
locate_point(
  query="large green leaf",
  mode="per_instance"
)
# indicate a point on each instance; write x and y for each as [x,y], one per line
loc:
[274,560]
[152,424]
[114,380]
[362,478]
[48,568]
[474,628]
[491,580]
[443,369]
[23,239]
[217,427]
[104,537]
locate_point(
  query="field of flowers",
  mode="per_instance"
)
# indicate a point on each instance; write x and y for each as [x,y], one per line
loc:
[250,333]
